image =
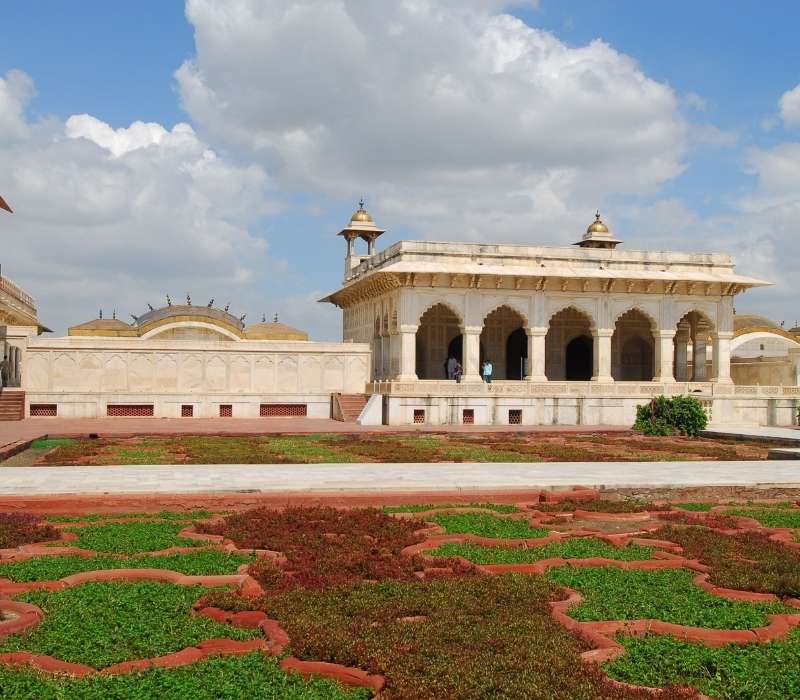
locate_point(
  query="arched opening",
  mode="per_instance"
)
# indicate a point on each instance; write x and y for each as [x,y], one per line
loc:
[693,346]
[633,348]
[578,359]
[516,354]
[500,343]
[439,329]
[569,350]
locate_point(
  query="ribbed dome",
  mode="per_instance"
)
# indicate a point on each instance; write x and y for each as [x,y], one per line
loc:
[273,331]
[741,321]
[597,226]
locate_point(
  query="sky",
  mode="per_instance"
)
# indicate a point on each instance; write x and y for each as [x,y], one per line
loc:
[215,149]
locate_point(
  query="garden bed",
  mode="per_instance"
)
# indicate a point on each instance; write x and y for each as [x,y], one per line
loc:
[383,447]
[317,602]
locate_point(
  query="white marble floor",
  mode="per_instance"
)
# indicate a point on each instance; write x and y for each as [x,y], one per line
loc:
[385,478]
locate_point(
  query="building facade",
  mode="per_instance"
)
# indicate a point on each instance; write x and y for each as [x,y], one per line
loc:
[574,334]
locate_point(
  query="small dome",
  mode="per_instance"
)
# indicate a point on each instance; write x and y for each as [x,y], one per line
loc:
[103,327]
[361,214]
[742,321]
[273,330]
[597,226]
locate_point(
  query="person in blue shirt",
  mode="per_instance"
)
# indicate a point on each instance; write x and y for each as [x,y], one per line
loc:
[487,372]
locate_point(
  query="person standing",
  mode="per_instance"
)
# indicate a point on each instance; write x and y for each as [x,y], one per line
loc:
[459,372]
[487,372]
[451,367]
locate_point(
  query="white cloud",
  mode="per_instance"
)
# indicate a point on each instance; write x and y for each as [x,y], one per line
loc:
[451,117]
[118,217]
[790,107]
[16,88]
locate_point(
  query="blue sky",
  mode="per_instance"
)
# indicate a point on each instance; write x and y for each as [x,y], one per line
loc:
[726,64]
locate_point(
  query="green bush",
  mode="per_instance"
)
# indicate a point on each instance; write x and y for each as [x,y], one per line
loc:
[664,416]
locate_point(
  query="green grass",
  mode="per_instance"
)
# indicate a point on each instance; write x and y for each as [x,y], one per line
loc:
[50,443]
[486,525]
[161,515]
[223,678]
[421,507]
[207,562]
[694,507]
[131,538]
[460,452]
[748,672]
[769,517]
[103,623]
[572,548]
[668,595]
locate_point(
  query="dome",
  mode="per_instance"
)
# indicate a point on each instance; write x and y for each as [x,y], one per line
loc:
[361,215]
[597,226]
[273,330]
[108,327]
[742,321]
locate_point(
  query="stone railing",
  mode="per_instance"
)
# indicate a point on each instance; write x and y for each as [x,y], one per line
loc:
[23,300]
[441,387]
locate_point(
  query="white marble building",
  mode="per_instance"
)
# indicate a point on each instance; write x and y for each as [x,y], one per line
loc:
[575,334]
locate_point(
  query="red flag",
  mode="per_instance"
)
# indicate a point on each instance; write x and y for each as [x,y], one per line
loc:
[5,206]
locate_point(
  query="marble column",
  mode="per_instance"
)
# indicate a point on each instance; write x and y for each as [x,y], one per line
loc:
[536,354]
[471,353]
[699,357]
[665,352]
[722,358]
[408,354]
[682,357]
[601,357]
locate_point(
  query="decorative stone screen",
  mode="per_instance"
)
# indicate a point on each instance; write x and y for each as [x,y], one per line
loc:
[419,415]
[515,416]
[468,416]
[129,410]
[283,410]
[187,411]
[42,410]
[226,410]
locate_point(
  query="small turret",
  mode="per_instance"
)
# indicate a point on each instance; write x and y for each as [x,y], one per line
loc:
[361,226]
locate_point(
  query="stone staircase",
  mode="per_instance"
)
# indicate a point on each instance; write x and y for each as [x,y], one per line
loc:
[348,407]
[12,405]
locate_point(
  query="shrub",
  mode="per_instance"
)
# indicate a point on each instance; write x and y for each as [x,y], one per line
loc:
[484,637]
[325,546]
[664,416]
[747,561]
[23,528]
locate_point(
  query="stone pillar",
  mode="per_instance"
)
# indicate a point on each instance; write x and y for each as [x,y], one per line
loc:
[665,352]
[471,353]
[408,354]
[722,358]
[536,354]
[699,357]
[682,357]
[601,357]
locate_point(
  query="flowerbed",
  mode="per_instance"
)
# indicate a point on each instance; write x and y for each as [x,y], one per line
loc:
[486,525]
[599,506]
[571,548]
[324,546]
[469,638]
[200,563]
[132,537]
[422,507]
[748,561]
[669,595]
[769,517]
[22,528]
[768,671]
[101,623]
[224,678]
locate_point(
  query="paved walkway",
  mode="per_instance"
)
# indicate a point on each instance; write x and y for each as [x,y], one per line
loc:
[11,431]
[752,433]
[386,478]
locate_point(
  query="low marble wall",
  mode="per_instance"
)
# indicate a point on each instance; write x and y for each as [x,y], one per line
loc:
[83,375]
